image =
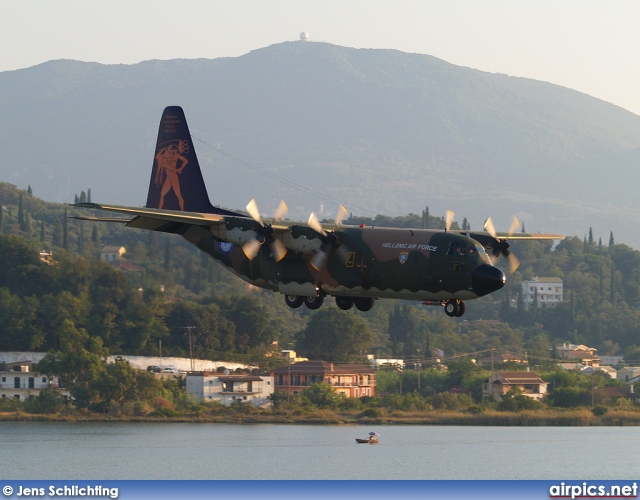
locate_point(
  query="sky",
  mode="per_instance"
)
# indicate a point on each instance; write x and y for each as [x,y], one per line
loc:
[592,46]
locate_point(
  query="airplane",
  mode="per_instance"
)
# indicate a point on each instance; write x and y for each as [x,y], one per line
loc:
[306,262]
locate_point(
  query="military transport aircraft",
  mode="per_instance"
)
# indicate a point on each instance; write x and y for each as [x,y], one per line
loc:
[308,261]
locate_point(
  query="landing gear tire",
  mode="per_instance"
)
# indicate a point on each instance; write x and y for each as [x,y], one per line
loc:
[344,303]
[314,302]
[452,308]
[461,309]
[293,301]
[364,303]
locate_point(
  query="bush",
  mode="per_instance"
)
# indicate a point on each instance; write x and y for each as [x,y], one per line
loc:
[48,401]
[372,413]
[600,410]
[451,401]
[518,402]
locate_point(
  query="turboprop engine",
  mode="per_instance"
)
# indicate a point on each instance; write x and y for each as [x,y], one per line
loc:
[302,239]
[237,230]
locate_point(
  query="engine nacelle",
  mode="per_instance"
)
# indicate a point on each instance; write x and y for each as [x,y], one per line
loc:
[302,239]
[236,230]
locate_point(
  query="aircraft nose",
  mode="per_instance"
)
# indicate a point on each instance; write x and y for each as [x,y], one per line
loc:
[486,279]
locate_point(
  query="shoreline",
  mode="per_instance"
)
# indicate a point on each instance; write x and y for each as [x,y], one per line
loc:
[540,418]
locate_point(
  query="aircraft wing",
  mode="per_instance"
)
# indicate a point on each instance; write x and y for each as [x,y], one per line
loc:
[485,237]
[170,221]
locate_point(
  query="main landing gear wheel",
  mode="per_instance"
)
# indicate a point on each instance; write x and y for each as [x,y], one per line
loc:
[344,303]
[364,303]
[454,308]
[314,302]
[293,301]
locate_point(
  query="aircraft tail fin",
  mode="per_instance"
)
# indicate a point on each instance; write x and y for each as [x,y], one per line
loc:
[176,179]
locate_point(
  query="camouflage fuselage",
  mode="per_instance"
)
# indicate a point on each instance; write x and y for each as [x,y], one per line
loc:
[365,262]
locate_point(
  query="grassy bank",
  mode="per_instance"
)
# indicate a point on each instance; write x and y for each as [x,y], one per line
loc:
[555,417]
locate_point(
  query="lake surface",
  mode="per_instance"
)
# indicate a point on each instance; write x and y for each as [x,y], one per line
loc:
[56,450]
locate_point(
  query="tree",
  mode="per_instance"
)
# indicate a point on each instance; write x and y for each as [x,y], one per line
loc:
[322,395]
[79,362]
[335,335]
[65,232]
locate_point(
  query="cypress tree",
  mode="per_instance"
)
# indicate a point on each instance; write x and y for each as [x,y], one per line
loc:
[29,190]
[611,241]
[88,195]
[590,237]
[95,235]
[601,279]
[612,296]
[56,240]
[167,256]
[81,240]
[65,232]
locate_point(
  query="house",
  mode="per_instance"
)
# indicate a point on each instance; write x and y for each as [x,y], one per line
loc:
[527,383]
[612,360]
[506,357]
[228,389]
[112,253]
[610,394]
[545,291]
[396,363]
[18,381]
[47,257]
[350,380]
[628,373]
[579,354]
[291,356]
[588,370]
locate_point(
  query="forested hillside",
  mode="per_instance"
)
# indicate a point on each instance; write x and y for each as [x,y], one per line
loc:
[173,286]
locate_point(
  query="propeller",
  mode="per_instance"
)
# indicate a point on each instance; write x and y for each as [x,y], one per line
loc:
[328,238]
[252,247]
[448,220]
[501,247]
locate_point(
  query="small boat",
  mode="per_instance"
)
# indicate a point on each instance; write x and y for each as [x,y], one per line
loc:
[372,439]
[369,440]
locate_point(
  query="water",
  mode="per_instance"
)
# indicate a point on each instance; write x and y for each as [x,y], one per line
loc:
[54,450]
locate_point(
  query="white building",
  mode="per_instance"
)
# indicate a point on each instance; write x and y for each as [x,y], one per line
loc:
[628,373]
[111,253]
[17,381]
[229,389]
[547,291]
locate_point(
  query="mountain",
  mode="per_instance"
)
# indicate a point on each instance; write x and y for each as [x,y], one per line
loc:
[381,131]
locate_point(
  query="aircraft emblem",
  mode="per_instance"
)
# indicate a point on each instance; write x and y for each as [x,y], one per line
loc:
[168,169]
[225,247]
[403,257]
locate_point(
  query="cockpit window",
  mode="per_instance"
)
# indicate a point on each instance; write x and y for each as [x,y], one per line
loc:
[457,248]
[483,254]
